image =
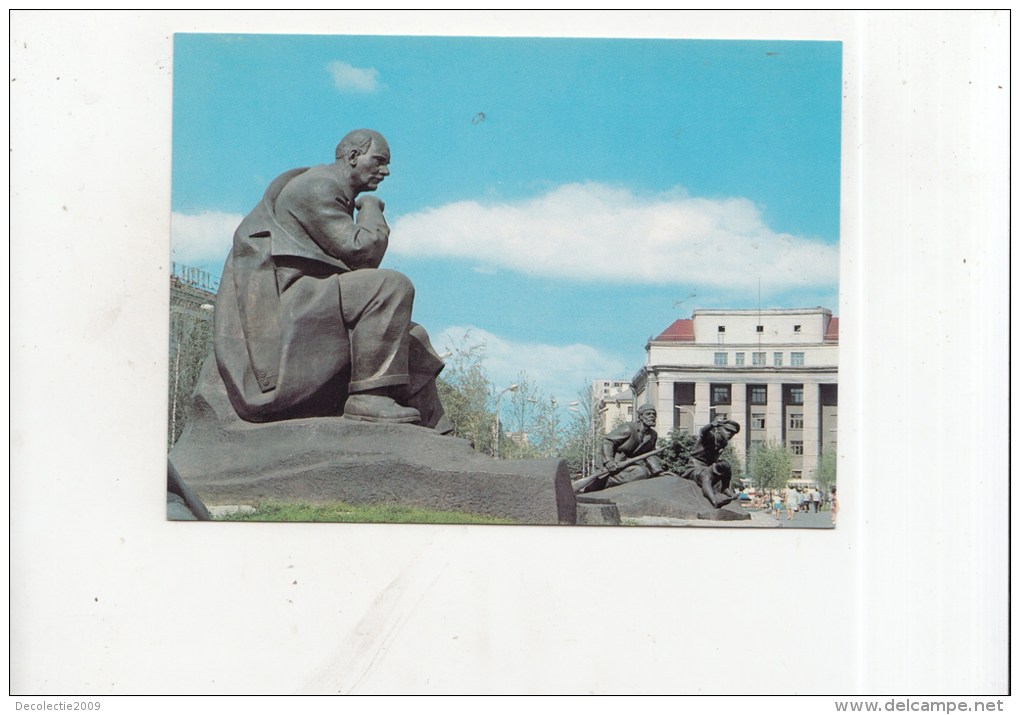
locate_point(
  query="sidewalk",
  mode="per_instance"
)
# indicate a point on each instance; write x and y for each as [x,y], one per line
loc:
[806,520]
[759,520]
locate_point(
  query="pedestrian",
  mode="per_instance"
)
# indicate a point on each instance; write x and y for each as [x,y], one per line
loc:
[792,502]
[833,504]
[815,498]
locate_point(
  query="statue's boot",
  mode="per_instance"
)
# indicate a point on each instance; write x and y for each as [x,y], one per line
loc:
[716,499]
[444,425]
[720,501]
[378,408]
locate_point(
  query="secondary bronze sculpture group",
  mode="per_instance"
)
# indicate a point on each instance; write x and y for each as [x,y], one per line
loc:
[629,455]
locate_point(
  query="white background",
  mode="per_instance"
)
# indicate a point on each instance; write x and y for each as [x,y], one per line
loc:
[908,595]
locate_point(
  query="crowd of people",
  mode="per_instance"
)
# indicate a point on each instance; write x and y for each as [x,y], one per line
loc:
[791,500]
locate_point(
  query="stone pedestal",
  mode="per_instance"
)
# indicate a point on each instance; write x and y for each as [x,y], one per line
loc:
[322,459]
[669,496]
[592,511]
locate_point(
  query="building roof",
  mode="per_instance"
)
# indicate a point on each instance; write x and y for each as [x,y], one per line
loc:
[832,330]
[761,311]
[681,330]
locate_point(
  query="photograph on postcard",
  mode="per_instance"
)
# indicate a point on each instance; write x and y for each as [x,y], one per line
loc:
[504,280]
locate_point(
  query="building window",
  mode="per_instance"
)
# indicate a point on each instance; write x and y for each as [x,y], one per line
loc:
[720,394]
[796,474]
[759,395]
[757,420]
[722,328]
[757,443]
[683,393]
[713,415]
[740,359]
[796,395]
[758,359]
[777,359]
[797,359]
[828,395]
[796,328]
[796,420]
[796,447]
[761,328]
[720,359]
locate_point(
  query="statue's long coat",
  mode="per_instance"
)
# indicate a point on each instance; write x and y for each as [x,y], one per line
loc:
[281,347]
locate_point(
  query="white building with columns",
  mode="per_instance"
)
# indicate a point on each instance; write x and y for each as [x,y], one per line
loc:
[775,372]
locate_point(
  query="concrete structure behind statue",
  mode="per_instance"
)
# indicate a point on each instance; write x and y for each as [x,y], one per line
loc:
[226,460]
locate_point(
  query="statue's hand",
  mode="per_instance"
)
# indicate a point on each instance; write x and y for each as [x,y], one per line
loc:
[369,202]
[609,465]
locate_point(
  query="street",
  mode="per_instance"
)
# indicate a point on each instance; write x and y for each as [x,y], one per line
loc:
[803,519]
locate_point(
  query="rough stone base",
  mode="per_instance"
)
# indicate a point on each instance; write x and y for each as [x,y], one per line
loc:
[597,512]
[182,504]
[668,496]
[177,510]
[324,459]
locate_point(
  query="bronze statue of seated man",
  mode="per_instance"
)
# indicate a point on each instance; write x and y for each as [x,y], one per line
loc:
[307,324]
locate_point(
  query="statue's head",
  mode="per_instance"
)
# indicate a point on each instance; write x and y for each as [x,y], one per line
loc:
[365,154]
[646,414]
[725,428]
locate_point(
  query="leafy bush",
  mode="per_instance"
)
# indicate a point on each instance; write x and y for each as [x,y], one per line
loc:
[678,443]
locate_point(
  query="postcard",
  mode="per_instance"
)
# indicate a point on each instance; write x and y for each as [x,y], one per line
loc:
[510,280]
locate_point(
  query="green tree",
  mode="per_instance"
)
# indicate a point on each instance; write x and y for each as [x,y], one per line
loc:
[521,420]
[575,454]
[618,421]
[678,444]
[769,465]
[190,344]
[826,472]
[465,392]
[549,428]
[731,455]
[583,433]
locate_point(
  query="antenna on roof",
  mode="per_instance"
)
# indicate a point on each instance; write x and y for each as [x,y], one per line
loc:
[678,303]
[759,330]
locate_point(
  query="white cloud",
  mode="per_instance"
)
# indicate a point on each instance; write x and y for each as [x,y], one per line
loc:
[558,370]
[207,237]
[348,78]
[596,231]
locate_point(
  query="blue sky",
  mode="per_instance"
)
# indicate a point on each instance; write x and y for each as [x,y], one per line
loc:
[561,199]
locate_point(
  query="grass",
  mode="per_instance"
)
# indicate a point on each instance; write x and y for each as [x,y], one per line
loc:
[373,513]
